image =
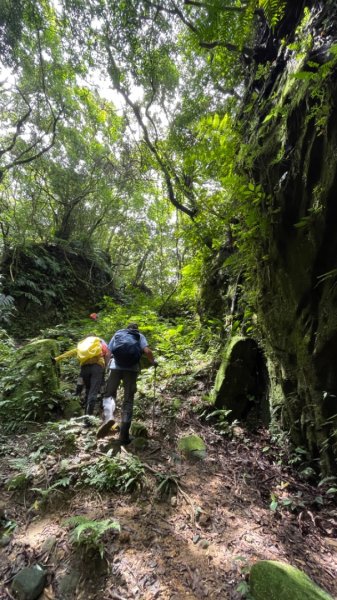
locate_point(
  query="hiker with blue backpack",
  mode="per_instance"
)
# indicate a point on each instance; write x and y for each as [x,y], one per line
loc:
[127,347]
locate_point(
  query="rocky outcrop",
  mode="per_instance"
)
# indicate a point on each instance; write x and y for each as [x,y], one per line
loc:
[51,282]
[242,382]
[296,164]
[290,122]
[31,385]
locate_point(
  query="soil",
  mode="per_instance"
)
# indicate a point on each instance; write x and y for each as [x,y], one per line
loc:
[199,542]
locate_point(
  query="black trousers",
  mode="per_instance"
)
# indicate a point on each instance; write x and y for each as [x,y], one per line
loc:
[129,379]
[93,376]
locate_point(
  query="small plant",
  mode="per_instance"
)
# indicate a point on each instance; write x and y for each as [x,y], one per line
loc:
[168,484]
[7,307]
[57,438]
[287,502]
[244,568]
[19,482]
[121,473]
[224,426]
[171,409]
[53,489]
[244,590]
[88,535]
[7,527]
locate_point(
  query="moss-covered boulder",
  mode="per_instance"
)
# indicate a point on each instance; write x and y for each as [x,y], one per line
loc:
[139,430]
[192,446]
[273,580]
[31,384]
[241,383]
[29,583]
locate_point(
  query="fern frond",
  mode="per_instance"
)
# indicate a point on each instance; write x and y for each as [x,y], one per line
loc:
[274,10]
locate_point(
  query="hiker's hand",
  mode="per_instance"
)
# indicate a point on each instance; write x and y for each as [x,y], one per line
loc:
[155,364]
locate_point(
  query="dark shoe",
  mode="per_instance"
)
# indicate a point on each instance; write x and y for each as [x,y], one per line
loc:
[124,438]
[105,429]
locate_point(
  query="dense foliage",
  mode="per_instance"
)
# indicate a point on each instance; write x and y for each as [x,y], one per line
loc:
[136,135]
[118,129]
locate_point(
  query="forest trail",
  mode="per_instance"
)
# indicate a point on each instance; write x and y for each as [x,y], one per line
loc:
[198,543]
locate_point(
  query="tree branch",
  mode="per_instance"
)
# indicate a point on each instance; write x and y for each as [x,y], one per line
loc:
[115,76]
[21,161]
[208,45]
[19,125]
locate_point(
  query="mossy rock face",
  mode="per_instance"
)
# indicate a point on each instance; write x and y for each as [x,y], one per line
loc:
[242,380]
[50,282]
[192,446]
[32,383]
[272,580]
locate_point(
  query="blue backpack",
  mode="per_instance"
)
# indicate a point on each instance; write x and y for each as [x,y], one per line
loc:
[126,348]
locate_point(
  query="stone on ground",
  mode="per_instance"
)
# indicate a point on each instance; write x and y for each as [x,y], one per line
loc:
[192,446]
[28,584]
[273,580]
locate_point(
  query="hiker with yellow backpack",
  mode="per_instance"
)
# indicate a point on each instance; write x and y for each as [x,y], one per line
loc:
[93,355]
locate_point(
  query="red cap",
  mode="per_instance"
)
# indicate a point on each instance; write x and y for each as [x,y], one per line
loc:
[93,316]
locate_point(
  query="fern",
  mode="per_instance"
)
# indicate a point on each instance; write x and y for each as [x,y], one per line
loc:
[274,10]
[64,482]
[6,308]
[120,474]
[88,534]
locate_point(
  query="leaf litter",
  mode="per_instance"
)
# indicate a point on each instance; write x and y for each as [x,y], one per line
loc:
[220,514]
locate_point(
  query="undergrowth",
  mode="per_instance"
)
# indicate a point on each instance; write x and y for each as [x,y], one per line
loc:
[90,535]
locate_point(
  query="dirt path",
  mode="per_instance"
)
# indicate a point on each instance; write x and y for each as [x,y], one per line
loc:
[197,544]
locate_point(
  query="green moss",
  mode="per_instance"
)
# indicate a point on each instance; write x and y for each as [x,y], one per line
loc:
[237,387]
[139,430]
[224,364]
[274,580]
[30,385]
[140,443]
[192,446]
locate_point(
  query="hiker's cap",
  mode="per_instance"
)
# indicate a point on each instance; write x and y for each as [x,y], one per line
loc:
[132,326]
[93,316]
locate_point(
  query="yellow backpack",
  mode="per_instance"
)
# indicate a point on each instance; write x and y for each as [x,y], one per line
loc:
[88,349]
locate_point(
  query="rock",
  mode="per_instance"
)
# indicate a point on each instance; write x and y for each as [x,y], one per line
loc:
[68,584]
[72,408]
[31,372]
[240,385]
[28,584]
[49,544]
[192,446]
[4,540]
[278,581]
